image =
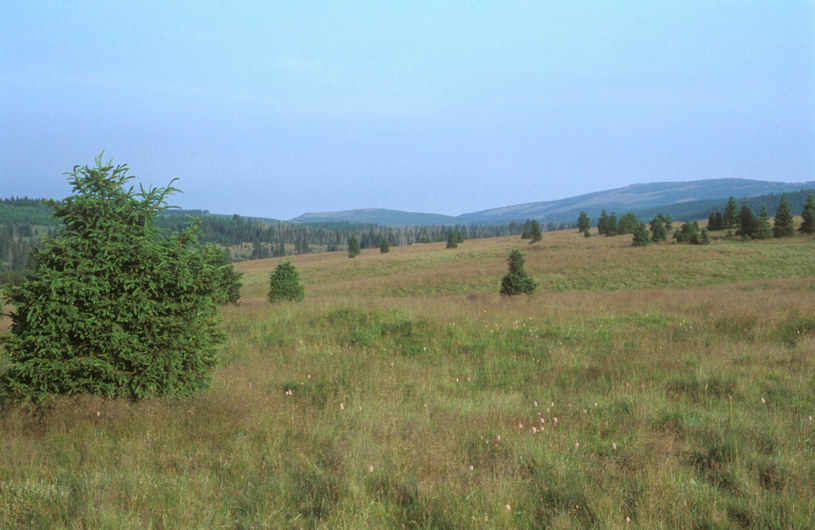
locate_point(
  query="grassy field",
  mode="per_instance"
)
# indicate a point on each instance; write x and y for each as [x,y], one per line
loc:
[659,387]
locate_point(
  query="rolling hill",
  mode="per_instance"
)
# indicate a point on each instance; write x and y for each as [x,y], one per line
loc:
[692,199]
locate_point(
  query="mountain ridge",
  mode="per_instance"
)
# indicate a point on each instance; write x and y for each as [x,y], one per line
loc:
[678,196]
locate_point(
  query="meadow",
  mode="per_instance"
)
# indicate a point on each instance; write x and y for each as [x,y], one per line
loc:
[668,386]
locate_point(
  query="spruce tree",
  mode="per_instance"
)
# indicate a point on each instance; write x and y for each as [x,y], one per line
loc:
[452,242]
[761,225]
[535,234]
[611,227]
[688,233]
[715,221]
[353,246]
[602,223]
[114,306]
[229,280]
[628,222]
[641,236]
[384,246]
[527,231]
[704,237]
[583,222]
[284,284]
[747,222]
[730,217]
[658,231]
[782,226]
[808,213]
[517,280]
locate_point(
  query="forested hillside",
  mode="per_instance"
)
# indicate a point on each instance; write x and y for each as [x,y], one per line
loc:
[24,221]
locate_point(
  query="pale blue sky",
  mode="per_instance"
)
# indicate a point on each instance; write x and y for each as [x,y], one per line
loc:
[275,109]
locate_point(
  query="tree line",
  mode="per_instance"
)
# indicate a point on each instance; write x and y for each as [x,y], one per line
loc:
[738,221]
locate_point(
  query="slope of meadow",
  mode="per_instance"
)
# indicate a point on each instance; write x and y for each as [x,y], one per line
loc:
[666,386]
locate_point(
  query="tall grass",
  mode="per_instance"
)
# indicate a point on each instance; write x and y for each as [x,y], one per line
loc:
[669,386]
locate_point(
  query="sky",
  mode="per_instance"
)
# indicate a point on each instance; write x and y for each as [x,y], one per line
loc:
[275,109]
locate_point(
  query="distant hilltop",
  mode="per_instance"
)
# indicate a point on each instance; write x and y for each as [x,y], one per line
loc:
[693,199]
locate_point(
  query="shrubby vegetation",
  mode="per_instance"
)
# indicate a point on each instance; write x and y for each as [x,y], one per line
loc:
[517,280]
[114,306]
[284,284]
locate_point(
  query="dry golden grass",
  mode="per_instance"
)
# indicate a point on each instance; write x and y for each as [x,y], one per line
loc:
[680,377]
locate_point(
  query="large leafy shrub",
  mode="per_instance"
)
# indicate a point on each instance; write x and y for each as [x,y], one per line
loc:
[114,306]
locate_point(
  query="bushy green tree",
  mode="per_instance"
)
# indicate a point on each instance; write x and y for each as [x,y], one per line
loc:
[688,233]
[612,229]
[384,246]
[114,306]
[669,224]
[715,221]
[731,215]
[353,246]
[761,226]
[517,280]
[747,222]
[452,241]
[704,237]
[535,234]
[527,231]
[783,226]
[284,284]
[602,223]
[641,235]
[658,230]
[583,222]
[808,214]
[229,280]
[628,222]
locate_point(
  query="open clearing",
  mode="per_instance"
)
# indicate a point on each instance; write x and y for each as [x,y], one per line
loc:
[665,386]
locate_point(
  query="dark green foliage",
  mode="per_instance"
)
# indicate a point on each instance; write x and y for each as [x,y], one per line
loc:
[587,233]
[688,233]
[783,227]
[658,230]
[602,222]
[384,246]
[583,222]
[517,280]
[762,228]
[284,284]
[731,219]
[607,224]
[353,246]
[114,306]
[528,228]
[452,241]
[229,280]
[715,221]
[808,213]
[641,235]
[535,231]
[747,222]
[612,229]
[704,237]
[628,222]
